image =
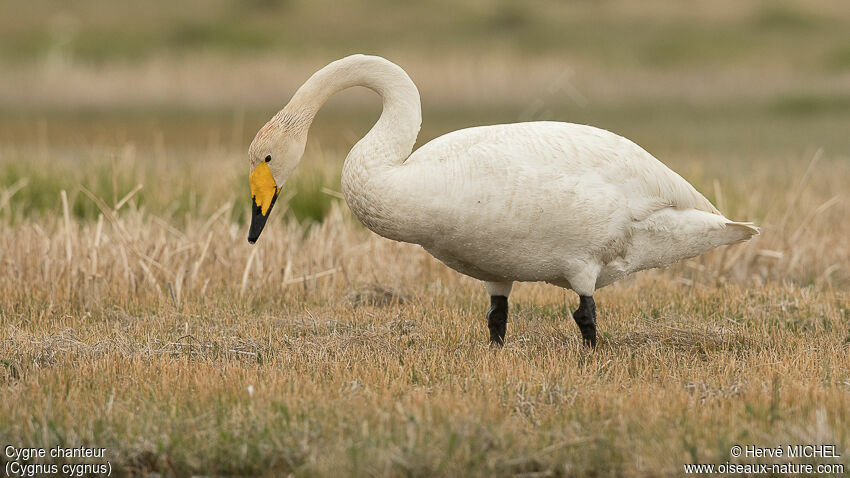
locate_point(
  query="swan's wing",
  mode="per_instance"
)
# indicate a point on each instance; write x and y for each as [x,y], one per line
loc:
[572,150]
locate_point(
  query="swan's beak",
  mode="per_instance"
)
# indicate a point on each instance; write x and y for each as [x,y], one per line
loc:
[264,193]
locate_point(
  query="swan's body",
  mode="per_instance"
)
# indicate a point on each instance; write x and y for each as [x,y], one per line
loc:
[568,204]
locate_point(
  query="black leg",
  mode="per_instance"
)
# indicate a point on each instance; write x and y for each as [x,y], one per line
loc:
[497,319]
[585,317]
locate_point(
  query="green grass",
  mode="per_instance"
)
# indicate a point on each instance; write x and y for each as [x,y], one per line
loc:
[171,191]
[96,32]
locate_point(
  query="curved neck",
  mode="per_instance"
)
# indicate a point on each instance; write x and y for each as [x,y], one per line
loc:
[391,139]
[369,189]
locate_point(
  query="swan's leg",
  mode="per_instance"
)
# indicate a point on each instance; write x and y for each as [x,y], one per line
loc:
[497,316]
[497,319]
[584,283]
[585,317]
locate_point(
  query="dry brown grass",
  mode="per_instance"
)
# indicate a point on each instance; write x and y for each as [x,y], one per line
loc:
[143,332]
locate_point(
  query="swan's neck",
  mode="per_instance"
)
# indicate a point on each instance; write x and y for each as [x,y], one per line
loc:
[366,181]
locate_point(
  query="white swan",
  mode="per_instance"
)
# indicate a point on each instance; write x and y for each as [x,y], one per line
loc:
[572,205]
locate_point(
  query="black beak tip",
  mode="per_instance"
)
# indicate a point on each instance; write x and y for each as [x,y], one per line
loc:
[258,219]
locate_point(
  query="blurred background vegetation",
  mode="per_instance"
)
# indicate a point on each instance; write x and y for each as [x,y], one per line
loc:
[106,95]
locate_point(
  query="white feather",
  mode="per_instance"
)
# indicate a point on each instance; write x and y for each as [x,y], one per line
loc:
[568,204]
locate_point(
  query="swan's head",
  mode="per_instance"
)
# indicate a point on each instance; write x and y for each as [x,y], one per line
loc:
[273,156]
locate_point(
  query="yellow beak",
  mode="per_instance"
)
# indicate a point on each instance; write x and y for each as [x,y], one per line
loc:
[264,193]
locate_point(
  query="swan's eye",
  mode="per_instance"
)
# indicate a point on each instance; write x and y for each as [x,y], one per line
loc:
[268,158]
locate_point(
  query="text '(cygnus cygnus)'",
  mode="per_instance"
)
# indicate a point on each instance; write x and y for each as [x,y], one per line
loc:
[568,204]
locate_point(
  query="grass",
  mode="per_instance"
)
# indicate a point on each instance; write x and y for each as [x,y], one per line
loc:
[411,389]
[140,320]
[163,337]
[94,32]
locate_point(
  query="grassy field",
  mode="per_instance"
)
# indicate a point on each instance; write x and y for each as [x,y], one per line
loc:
[134,316]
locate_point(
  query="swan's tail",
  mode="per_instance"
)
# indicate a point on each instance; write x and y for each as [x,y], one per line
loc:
[740,231]
[671,235]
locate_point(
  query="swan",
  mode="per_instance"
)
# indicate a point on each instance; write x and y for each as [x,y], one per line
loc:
[567,204]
